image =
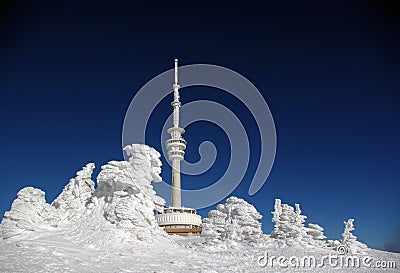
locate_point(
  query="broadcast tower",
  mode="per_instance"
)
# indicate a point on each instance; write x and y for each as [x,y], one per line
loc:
[176,145]
[177,219]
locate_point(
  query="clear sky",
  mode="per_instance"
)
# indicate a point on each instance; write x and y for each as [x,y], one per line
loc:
[329,72]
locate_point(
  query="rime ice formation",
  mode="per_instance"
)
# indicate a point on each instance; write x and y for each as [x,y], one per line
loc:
[350,241]
[122,206]
[236,220]
[78,191]
[113,228]
[113,225]
[72,201]
[29,212]
[289,227]
[125,191]
[317,234]
[289,223]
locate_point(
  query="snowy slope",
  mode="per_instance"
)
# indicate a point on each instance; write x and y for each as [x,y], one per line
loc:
[56,252]
[112,229]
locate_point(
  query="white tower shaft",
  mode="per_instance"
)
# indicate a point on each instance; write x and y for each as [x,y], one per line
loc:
[176,145]
[176,183]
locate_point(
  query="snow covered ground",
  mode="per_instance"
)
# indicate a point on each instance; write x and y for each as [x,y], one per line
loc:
[112,228]
[54,251]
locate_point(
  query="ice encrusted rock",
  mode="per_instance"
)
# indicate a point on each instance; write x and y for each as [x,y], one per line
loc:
[29,212]
[236,221]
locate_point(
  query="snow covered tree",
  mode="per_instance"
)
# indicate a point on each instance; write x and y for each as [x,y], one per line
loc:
[350,241]
[78,191]
[126,191]
[122,206]
[236,220]
[315,231]
[276,214]
[301,230]
[284,218]
[29,212]
[287,227]
[347,236]
[289,223]
[213,226]
[72,201]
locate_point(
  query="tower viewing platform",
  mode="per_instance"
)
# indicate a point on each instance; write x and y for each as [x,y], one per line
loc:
[180,221]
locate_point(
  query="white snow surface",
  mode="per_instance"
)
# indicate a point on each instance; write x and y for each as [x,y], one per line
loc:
[113,229]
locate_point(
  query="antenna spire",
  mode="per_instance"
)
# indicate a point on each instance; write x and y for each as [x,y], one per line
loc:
[176,71]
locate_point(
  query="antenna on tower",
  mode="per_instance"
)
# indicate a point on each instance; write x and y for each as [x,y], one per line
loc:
[176,71]
[176,103]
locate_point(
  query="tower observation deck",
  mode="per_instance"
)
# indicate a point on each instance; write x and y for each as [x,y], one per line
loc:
[177,219]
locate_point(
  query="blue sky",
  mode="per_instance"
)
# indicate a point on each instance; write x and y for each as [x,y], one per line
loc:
[329,72]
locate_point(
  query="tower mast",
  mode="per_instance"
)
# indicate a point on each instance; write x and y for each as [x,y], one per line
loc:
[177,219]
[176,145]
